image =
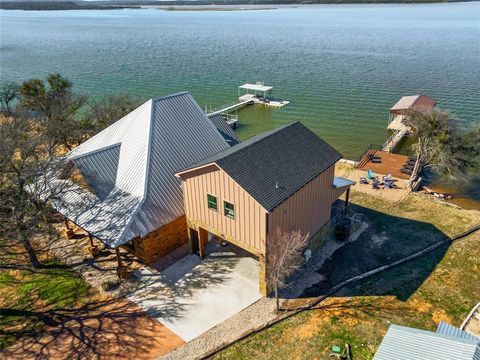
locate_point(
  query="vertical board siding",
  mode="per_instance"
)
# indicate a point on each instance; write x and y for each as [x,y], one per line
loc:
[249,226]
[309,208]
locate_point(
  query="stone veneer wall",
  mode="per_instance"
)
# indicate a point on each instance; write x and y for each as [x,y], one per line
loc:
[162,241]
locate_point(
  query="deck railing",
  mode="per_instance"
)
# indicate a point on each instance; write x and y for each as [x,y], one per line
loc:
[364,154]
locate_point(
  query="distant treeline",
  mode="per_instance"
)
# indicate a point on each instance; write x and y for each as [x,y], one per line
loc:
[61,5]
[294,2]
[119,4]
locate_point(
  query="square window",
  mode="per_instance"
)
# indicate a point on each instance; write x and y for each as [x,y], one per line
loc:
[212,202]
[229,210]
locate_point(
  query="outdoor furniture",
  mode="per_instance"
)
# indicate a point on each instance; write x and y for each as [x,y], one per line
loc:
[406,171]
[375,184]
[363,181]
[370,174]
[389,185]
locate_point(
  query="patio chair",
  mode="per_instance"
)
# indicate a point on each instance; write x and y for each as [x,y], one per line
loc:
[370,174]
[375,184]
[363,181]
[406,171]
[389,185]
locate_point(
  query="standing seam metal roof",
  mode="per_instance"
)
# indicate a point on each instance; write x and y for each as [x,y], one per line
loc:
[404,343]
[225,129]
[136,158]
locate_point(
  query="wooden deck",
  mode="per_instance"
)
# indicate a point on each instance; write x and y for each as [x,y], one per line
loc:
[389,163]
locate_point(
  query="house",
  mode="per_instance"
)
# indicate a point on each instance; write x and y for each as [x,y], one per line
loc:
[131,197]
[283,179]
[162,178]
[447,343]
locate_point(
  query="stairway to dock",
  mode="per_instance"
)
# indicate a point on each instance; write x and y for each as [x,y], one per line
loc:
[393,141]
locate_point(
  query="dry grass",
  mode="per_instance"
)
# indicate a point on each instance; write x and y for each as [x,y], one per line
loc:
[361,314]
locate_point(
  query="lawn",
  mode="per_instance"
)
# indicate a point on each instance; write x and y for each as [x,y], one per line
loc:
[442,285]
[30,297]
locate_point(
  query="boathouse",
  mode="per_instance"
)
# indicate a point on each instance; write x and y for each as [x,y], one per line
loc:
[283,179]
[399,112]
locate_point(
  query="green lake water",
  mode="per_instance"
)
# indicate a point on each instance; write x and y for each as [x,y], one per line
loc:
[341,66]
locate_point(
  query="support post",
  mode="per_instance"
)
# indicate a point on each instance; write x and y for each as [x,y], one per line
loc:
[119,259]
[121,269]
[202,241]
[68,230]
[262,283]
[347,199]
[90,238]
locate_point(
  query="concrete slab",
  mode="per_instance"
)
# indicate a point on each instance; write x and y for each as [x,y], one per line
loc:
[193,295]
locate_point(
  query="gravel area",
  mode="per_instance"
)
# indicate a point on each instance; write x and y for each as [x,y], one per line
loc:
[96,270]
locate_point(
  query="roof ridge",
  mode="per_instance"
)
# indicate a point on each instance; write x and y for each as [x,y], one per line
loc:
[259,137]
[169,96]
[147,169]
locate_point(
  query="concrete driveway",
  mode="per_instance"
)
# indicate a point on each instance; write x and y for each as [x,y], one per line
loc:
[193,295]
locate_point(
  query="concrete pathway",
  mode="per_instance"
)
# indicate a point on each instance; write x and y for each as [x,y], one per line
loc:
[194,295]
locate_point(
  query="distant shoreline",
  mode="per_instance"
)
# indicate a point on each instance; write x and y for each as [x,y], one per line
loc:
[202,5]
[189,8]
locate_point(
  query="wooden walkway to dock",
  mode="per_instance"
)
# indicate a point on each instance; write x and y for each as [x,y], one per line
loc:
[231,108]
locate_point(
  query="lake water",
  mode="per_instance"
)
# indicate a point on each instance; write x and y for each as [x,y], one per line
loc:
[341,66]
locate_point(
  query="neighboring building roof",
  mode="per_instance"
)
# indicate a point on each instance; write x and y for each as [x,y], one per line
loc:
[225,129]
[447,329]
[404,343]
[130,167]
[413,102]
[273,165]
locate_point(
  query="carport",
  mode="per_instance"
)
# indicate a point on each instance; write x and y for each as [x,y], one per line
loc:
[194,295]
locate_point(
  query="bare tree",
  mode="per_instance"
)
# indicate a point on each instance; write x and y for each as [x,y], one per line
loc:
[284,257]
[28,158]
[8,93]
[55,102]
[442,145]
[104,112]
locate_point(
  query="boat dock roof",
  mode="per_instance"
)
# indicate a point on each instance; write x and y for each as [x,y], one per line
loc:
[413,102]
[256,87]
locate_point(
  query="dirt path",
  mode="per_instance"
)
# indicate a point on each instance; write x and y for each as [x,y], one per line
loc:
[109,329]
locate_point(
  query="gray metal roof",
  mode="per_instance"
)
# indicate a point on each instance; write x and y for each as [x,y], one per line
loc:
[130,166]
[225,129]
[404,343]
[447,329]
[274,165]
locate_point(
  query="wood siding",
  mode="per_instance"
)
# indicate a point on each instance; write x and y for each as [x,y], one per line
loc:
[246,230]
[309,208]
[162,241]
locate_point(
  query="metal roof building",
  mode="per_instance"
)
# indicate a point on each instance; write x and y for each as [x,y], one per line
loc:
[448,343]
[129,168]
[413,102]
